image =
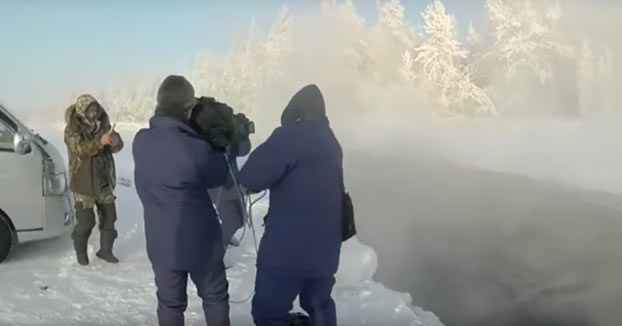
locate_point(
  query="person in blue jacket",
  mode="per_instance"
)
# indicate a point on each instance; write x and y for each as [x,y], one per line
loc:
[173,170]
[301,165]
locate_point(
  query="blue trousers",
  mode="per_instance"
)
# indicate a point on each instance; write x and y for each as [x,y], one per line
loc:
[275,292]
[212,287]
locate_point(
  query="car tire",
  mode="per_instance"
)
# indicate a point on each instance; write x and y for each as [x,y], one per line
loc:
[8,237]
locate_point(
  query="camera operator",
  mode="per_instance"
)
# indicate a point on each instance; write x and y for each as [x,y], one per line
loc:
[173,168]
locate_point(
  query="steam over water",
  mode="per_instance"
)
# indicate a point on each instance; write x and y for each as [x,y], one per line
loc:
[514,246]
[483,248]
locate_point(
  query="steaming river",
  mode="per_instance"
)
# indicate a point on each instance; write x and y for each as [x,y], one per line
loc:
[483,248]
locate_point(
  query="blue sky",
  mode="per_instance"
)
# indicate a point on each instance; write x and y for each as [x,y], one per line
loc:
[51,46]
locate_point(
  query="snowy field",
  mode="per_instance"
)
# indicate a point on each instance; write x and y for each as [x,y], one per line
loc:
[42,284]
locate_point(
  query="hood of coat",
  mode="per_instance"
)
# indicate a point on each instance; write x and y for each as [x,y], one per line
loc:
[306,105]
[75,115]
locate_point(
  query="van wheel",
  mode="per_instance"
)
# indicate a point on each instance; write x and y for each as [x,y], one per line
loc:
[8,237]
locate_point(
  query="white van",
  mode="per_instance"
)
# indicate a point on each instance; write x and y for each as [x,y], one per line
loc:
[35,201]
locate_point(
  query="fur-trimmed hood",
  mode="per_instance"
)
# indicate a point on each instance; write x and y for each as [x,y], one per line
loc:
[75,114]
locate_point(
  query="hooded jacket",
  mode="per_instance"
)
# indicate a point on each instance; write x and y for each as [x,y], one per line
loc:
[91,165]
[301,165]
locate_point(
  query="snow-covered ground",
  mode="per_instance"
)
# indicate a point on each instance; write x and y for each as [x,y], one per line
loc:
[42,284]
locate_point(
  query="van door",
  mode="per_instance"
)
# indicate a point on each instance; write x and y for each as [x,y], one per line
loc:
[21,193]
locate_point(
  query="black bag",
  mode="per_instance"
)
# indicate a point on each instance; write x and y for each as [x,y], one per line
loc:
[348,226]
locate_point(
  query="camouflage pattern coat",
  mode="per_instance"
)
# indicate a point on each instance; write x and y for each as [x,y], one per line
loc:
[92,175]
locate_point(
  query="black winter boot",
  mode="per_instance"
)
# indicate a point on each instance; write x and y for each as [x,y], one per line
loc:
[82,231]
[107,218]
[80,245]
[105,252]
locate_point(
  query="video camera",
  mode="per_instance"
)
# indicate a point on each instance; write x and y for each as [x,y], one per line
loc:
[215,122]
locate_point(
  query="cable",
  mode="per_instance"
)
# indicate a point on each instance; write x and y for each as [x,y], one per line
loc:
[248,216]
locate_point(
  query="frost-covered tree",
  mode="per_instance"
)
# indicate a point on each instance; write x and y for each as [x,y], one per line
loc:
[250,65]
[279,42]
[525,35]
[473,37]
[407,69]
[387,42]
[391,19]
[350,39]
[342,16]
[517,62]
[129,101]
[528,54]
[441,58]
[441,52]
[595,79]
[476,62]
[392,15]
[236,78]
[233,78]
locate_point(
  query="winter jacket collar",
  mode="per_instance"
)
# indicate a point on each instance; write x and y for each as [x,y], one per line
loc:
[166,122]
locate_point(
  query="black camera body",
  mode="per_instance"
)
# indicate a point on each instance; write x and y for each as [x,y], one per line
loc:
[217,123]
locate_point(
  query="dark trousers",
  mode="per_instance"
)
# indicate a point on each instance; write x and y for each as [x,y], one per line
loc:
[85,218]
[276,290]
[212,287]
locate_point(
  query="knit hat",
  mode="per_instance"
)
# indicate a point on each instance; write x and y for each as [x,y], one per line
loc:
[175,97]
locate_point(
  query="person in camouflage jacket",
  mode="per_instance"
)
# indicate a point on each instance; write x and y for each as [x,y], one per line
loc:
[90,145]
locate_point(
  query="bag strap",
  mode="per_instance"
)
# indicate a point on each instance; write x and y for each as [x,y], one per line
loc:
[343,185]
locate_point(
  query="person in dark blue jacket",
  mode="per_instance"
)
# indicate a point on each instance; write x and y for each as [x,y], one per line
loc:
[173,170]
[301,165]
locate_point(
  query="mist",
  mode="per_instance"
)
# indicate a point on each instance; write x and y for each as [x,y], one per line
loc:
[511,218]
[497,244]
